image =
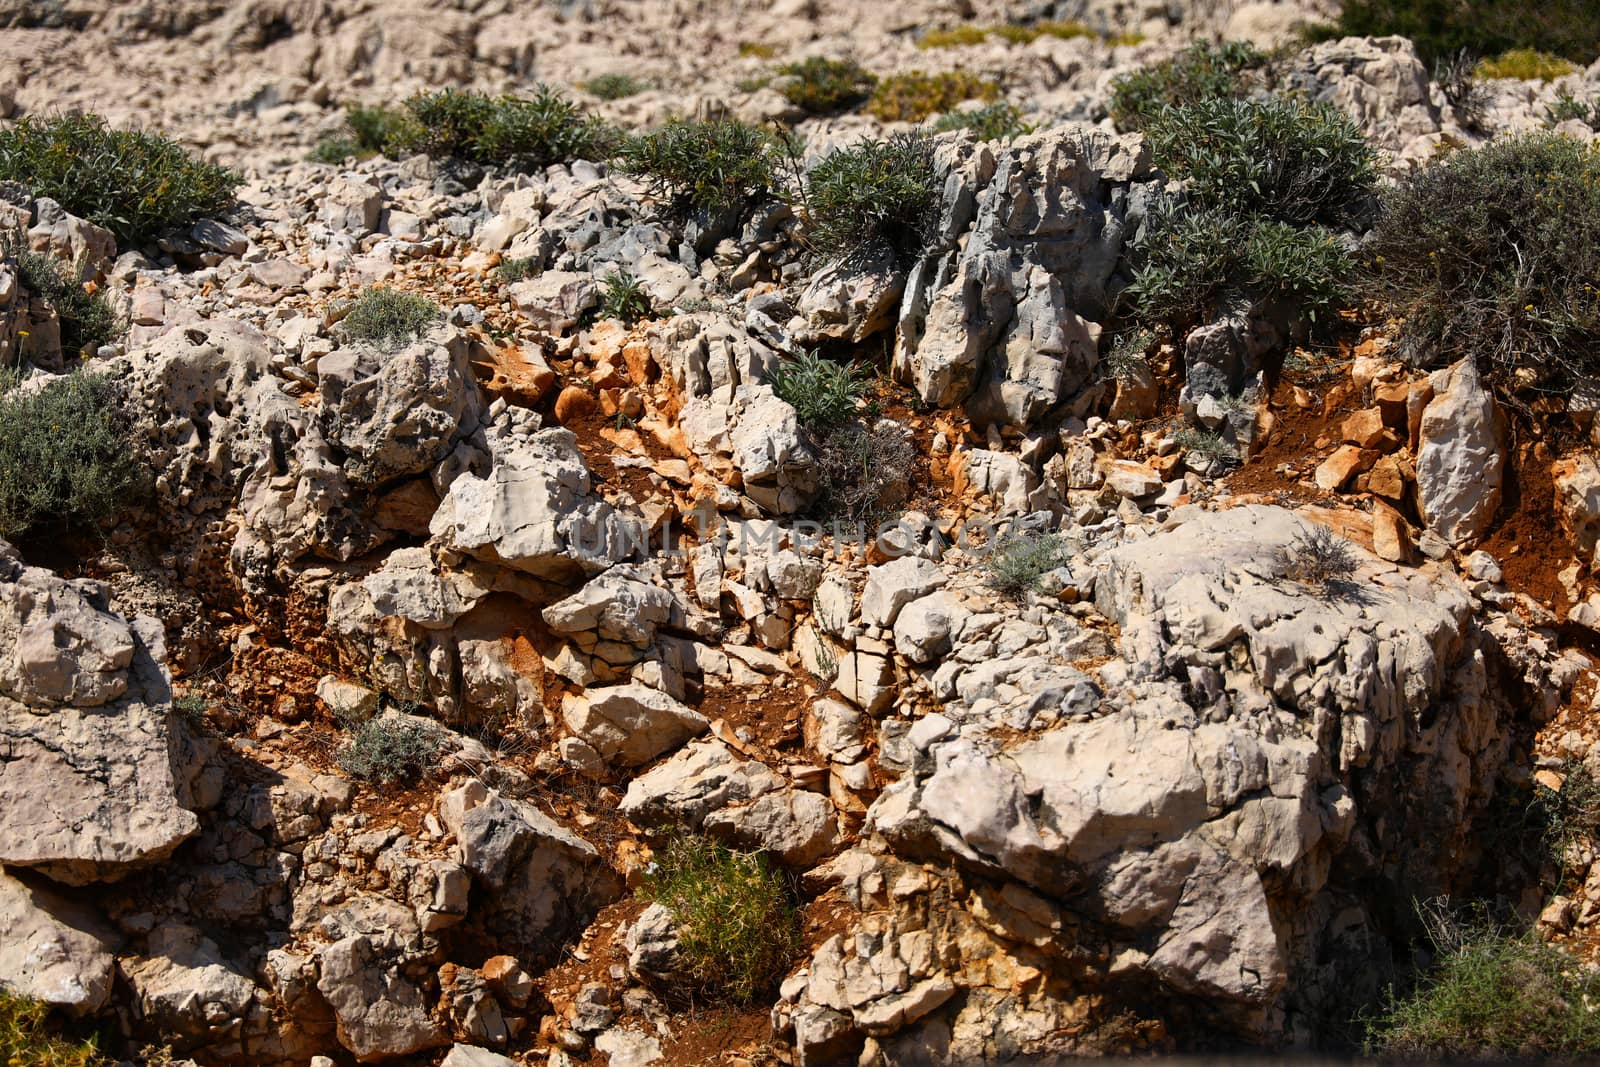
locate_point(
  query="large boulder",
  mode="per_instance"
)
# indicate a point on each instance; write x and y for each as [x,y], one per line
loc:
[540,882]
[397,413]
[53,949]
[533,509]
[1263,755]
[93,773]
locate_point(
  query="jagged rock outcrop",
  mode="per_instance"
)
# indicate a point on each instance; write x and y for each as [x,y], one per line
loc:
[1254,735]
[1008,322]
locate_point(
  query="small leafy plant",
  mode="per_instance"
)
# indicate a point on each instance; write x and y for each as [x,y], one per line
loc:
[915,95]
[392,750]
[1493,994]
[822,392]
[510,271]
[87,319]
[623,298]
[713,166]
[992,122]
[737,930]
[865,471]
[1021,558]
[1201,72]
[137,185]
[388,318]
[66,457]
[615,86]
[1568,105]
[820,86]
[1458,80]
[874,197]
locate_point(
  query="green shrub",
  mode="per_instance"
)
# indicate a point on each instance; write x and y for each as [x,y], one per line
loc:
[521,133]
[1525,64]
[615,86]
[65,455]
[390,750]
[510,271]
[865,471]
[1494,253]
[1020,559]
[1191,261]
[955,37]
[137,185]
[1207,445]
[333,150]
[1125,39]
[376,128]
[1128,354]
[873,198]
[737,931]
[1570,816]
[757,50]
[623,298]
[1565,28]
[1493,995]
[389,318]
[1567,105]
[820,86]
[26,1039]
[823,393]
[992,122]
[1280,158]
[1202,71]
[715,167]
[87,319]
[915,95]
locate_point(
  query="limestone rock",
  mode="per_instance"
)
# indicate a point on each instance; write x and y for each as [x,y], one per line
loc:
[555,300]
[185,986]
[619,605]
[381,1013]
[98,685]
[534,509]
[398,413]
[893,585]
[631,724]
[52,949]
[543,881]
[1461,459]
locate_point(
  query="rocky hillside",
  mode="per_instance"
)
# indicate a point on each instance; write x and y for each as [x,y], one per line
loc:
[897,589]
